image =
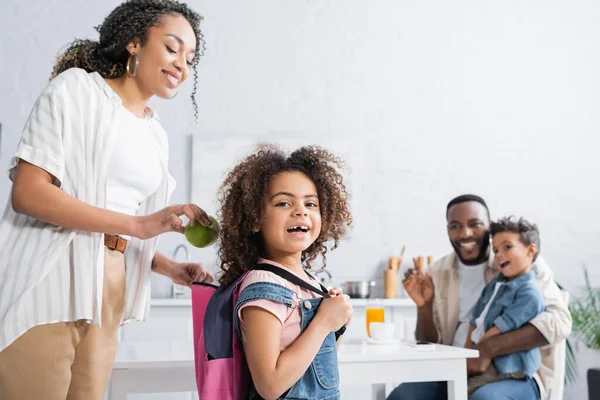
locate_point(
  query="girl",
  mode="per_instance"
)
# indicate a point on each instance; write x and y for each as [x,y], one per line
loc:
[282,211]
[90,195]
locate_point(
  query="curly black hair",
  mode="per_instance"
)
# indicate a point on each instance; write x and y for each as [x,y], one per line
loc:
[528,232]
[243,195]
[127,23]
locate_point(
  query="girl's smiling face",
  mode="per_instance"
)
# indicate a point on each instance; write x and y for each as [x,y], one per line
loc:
[291,217]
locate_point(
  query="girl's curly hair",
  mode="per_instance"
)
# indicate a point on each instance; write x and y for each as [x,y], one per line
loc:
[127,23]
[243,195]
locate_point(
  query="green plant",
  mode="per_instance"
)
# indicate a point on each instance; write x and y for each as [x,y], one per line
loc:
[570,365]
[585,312]
[586,316]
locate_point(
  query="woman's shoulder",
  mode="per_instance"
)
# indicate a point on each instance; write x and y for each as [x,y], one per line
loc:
[74,85]
[70,78]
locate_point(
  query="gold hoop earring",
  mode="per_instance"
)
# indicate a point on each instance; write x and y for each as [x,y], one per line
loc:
[136,60]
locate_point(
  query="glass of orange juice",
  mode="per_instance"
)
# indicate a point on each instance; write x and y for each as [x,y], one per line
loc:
[374,314]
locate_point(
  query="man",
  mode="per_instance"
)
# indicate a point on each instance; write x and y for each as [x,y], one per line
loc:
[446,294]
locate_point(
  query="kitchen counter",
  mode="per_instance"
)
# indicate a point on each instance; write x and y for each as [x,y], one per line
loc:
[171,319]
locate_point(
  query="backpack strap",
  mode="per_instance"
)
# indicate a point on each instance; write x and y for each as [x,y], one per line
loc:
[288,276]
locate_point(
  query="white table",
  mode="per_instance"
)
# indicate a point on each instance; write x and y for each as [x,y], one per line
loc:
[377,365]
[168,366]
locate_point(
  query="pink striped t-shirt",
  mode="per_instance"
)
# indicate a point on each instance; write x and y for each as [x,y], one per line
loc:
[290,317]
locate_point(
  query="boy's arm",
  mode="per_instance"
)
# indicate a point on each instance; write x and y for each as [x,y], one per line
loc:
[527,305]
[492,332]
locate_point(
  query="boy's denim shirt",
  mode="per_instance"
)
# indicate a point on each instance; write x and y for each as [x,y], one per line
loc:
[517,302]
[321,380]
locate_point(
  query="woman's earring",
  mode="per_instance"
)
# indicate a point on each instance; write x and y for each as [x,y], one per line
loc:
[136,64]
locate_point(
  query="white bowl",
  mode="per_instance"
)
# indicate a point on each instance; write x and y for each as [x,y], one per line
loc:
[381,331]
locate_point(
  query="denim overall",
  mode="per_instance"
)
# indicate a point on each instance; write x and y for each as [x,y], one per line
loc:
[321,380]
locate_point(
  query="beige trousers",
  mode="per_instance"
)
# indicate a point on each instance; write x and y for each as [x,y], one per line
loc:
[68,360]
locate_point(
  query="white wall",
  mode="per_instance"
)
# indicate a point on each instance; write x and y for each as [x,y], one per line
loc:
[425,101]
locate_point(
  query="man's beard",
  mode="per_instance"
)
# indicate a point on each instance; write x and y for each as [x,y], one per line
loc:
[483,252]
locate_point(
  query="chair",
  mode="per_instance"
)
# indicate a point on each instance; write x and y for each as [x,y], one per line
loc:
[557,385]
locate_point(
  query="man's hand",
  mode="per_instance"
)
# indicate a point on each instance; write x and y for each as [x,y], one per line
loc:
[525,338]
[477,366]
[419,286]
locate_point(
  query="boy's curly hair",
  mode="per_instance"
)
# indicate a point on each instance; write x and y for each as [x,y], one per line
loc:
[528,232]
[242,197]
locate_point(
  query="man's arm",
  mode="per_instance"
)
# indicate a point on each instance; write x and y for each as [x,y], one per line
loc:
[426,329]
[525,338]
[518,334]
[420,289]
[469,342]
[555,322]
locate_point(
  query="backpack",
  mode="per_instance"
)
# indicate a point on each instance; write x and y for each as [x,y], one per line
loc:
[221,369]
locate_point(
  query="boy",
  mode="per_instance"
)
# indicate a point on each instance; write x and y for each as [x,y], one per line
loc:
[509,301]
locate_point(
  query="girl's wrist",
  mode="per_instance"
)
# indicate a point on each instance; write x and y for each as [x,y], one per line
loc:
[321,325]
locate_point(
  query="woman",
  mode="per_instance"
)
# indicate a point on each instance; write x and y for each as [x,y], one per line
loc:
[89,198]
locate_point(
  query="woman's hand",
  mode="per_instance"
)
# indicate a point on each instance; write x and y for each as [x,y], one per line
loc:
[168,220]
[187,273]
[181,273]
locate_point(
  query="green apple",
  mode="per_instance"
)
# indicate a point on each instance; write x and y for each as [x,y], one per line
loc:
[202,236]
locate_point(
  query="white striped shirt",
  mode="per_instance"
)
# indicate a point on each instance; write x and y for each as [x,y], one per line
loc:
[52,274]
